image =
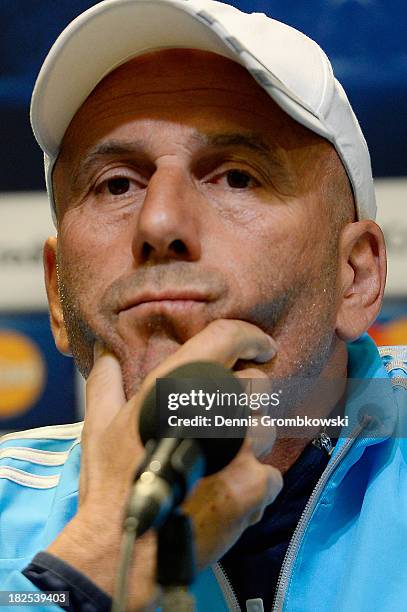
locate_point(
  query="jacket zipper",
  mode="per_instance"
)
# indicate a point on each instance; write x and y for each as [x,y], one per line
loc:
[227,588]
[323,442]
[282,583]
[286,568]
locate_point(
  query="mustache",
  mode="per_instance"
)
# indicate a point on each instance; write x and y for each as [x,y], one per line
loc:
[179,275]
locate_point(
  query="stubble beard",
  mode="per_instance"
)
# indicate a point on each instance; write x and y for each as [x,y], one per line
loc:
[310,348]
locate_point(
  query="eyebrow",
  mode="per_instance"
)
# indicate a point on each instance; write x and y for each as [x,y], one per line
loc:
[240,140]
[253,141]
[250,140]
[110,148]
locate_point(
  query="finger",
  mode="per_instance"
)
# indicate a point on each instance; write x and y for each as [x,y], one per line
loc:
[262,440]
[223,341]
[247,471]
[275,483]
[274,486]
[250,373]
[104,390]
[260,437]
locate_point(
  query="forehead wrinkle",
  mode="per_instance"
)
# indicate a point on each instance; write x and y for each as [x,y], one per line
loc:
[99,98]
[104,99]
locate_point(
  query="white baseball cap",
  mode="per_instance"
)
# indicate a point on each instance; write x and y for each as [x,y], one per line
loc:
[288,65]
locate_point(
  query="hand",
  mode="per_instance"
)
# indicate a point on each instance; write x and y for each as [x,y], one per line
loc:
[236,496]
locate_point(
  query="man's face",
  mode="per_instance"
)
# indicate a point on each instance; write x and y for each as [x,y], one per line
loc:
[186,195]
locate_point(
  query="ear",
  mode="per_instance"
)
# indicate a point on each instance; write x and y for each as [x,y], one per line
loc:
[362,277]
[55,308]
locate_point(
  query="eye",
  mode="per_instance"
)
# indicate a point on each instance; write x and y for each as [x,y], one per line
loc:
[118,185]
[238,179]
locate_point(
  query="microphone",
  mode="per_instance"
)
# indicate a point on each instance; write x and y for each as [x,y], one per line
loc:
[173,465]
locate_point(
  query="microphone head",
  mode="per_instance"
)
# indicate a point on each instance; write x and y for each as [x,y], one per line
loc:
[211,377]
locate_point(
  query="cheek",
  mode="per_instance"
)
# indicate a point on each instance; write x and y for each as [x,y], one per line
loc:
[91,229]
[91,254]
[271,249]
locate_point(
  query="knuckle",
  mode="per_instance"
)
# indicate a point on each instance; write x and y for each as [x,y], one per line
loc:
[275,482]
[226,326]
[256,516]
[264,483]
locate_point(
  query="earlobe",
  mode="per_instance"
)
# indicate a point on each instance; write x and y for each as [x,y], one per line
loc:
[361,278]
[51,283]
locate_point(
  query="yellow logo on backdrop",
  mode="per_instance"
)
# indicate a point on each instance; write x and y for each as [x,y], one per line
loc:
[391,332]
[22,374]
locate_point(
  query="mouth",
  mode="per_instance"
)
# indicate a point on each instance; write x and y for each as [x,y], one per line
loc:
[166,300]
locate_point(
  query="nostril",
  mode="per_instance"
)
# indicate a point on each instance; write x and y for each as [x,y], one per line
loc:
[146,250]
[178,247]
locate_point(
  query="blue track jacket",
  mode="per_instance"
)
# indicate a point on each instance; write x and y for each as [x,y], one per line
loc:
[349,551]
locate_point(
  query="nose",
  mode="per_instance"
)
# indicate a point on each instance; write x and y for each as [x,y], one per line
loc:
[168,225]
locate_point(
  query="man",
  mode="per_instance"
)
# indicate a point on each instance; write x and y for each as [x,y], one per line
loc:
[213,199]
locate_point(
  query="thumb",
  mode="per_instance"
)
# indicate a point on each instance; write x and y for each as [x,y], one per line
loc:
[104,389]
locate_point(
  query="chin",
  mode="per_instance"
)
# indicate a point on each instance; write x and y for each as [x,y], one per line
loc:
[138,363]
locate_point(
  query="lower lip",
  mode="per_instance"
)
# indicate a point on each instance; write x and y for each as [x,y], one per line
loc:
[164,306]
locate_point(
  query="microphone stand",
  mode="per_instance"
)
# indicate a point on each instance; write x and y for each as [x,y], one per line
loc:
[176,567]
[129,536]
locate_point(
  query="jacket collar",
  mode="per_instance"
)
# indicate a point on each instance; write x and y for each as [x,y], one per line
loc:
[370,404]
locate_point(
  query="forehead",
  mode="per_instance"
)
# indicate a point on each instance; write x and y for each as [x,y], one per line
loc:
[185,86]
[176,72]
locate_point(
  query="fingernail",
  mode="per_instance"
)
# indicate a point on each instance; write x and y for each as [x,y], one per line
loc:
[273,343]
[269,353]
